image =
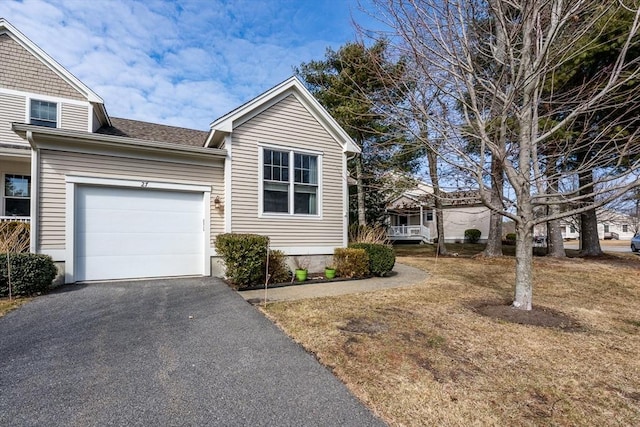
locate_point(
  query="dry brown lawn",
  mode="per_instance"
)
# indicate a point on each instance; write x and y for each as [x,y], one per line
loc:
[422,355]
[7,305]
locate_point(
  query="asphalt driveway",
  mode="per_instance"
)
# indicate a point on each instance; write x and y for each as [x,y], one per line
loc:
[164,353]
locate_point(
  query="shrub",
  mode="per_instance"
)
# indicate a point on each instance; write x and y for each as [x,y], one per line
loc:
[278,271]
[367,234]
[351,262]
[30,274]
[244,256]
[472,235]
[509,239]
[381,257]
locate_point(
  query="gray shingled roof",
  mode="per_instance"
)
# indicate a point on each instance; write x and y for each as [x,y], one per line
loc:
[154,132]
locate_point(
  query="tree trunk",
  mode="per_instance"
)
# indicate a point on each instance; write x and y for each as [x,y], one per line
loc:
[494,240]
[433,174]
[362,217]
[589,241]
[441,247]
[524,267]
[555,244]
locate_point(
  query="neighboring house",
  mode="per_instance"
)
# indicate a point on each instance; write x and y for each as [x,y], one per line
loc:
[412,215]
[113,198]
[611,225]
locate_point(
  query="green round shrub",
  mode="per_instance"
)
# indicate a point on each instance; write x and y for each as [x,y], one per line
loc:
[382,258]
[472,235]
[31,274]
[244,256]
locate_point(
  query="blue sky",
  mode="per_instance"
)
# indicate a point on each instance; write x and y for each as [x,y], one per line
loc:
[182,63]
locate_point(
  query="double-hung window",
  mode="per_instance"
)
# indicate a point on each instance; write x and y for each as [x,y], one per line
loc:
[276,181]
[43,113]
[17,191]
[289,182]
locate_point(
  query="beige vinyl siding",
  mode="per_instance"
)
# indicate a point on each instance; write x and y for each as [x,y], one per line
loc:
[75,117]
[287,124]
[55,165]
[19,70]
[95,122]
[12,109]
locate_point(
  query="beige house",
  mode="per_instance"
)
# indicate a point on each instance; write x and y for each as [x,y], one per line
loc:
[412,218]
[112,198]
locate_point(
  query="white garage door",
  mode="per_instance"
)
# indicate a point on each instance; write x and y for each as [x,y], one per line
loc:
[123,233]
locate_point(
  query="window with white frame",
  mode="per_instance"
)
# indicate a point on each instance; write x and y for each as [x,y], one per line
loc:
[606,228]
[17,193]
[290,182]
[43,113]
[428,216]
[625,228]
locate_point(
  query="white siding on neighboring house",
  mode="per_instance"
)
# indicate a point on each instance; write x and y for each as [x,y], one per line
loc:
[12,109]
[54,165]
[403,201]
[459,219]
[75,117]
[287,124]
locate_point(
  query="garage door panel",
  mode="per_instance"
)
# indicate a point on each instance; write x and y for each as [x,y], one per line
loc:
[130,233]
[104,244]
[133,199]
[136,221]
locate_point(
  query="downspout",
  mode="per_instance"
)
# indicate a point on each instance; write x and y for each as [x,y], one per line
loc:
[35,194]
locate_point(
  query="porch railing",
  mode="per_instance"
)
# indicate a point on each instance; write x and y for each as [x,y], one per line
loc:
[15,219]
[409,231]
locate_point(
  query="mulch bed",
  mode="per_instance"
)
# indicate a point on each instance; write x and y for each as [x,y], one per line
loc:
[313,278]
[538,316]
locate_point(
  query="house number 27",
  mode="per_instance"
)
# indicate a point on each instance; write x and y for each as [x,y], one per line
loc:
[144,184]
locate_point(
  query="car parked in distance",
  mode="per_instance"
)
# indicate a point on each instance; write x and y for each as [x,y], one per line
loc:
[635,243]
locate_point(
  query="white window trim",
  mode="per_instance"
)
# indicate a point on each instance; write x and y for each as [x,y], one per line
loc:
[291,183]
[4,196]
[44,99]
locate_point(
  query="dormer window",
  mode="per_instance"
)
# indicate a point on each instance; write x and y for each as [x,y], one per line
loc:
[44,113]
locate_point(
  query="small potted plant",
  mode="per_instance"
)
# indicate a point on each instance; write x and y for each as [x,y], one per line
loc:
[330,272]
[302,265]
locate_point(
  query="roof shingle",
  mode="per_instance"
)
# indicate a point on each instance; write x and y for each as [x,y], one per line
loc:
[154,132]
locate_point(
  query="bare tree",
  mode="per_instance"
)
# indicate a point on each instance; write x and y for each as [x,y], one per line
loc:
[518,111]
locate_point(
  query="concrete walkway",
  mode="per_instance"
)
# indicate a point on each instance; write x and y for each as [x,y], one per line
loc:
[402,275]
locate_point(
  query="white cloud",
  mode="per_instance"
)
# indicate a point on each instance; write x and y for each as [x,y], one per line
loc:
[183,63]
